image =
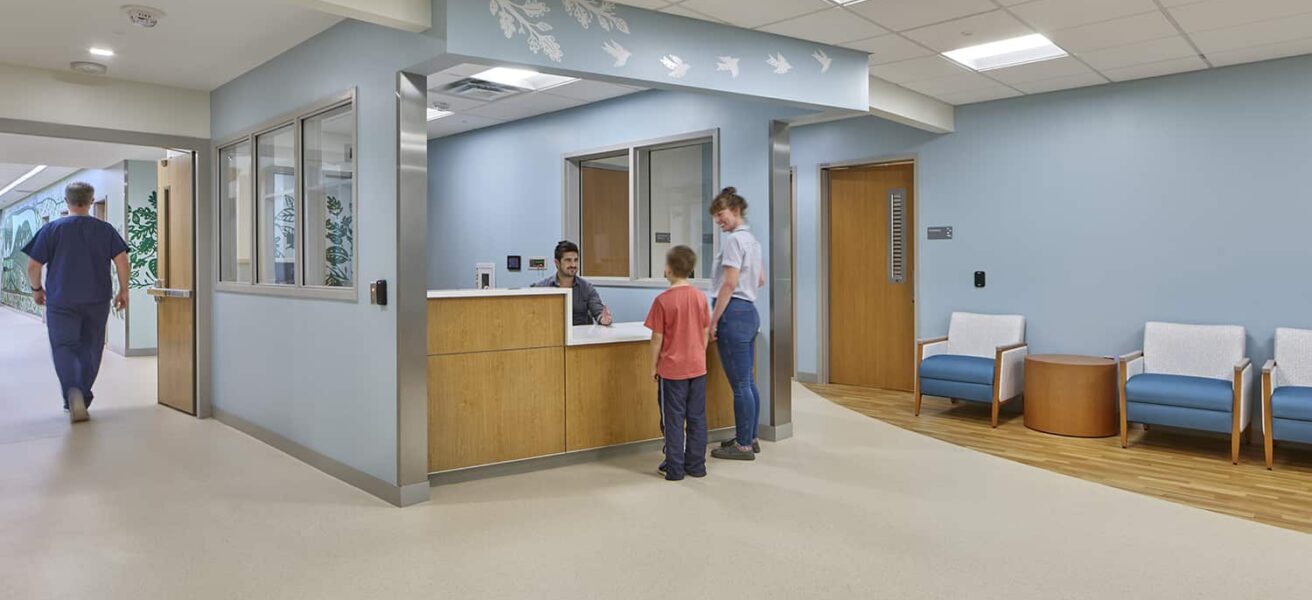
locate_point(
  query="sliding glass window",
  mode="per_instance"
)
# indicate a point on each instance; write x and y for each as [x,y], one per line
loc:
[275,153]
[236,213]
[328,168]
[604,216]
[675,189]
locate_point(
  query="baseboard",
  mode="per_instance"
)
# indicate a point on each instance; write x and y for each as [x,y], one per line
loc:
[553,461]
[774,433]
[394,494]
[803,377]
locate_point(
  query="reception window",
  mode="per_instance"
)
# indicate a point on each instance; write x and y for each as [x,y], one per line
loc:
[628,206]
[286,205]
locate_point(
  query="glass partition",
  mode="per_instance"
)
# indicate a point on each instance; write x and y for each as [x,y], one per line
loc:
[236,213]
[276,180]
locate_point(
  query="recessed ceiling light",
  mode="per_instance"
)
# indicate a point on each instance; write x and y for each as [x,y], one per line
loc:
[88,67]
[846,2]
[24,177]
[101,51]
[522,78]
[437,113]
[1007,53]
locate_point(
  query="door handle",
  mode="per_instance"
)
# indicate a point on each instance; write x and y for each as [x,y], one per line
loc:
[159,292]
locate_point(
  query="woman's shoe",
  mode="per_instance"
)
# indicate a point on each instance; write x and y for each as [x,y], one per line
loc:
[733,452]
[756,444]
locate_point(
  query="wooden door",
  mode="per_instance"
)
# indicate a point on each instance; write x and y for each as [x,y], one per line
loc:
[174,290]
[871,312]
[604,204]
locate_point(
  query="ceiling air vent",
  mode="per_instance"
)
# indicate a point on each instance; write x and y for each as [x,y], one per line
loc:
[477,89]
[143,16]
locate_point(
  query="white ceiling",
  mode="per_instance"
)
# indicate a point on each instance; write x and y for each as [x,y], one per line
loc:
[1109,40]
[63,157]
[474,114]
[199,44]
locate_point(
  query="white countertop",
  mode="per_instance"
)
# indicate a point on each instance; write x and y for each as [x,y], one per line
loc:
[582,335]
[473,293]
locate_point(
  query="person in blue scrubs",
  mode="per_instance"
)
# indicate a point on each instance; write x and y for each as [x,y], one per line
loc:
[76,252]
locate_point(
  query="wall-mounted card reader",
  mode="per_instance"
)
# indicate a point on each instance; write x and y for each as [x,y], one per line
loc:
[979,279]
[378,292]
[513,263]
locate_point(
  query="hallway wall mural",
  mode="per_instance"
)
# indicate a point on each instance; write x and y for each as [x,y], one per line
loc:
[18,225]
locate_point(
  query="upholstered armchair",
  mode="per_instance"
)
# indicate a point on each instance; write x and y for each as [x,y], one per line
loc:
[982,359]
[1189,376]
[1287,390]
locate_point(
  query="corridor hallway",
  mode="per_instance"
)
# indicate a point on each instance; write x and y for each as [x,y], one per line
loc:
[144,502]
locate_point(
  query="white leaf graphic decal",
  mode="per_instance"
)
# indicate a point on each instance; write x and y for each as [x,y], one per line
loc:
[604,12]
[518,18]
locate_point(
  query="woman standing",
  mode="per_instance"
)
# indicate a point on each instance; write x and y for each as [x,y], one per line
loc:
[739,273]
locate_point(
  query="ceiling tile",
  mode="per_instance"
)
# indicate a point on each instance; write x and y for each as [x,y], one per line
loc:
[970,31]
[453,102]
[457,123]
[1166,67]
[1048,69]
[973,96]
[1218,14]
[1050,15]
[918,69]
[648,4]
[755,13]
[900,15]
[590,91]
[890,48]
[965,82]
[1117,32]
[1265,52]
[1139,53]
[1254,34]
[827,27]
[684,12]
[1061,83]
[522,106]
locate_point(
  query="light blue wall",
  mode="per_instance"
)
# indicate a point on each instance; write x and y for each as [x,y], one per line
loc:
[323,373]
[1182,198]
[498,191]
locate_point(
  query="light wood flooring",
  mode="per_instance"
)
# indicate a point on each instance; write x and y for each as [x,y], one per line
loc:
[1185,467]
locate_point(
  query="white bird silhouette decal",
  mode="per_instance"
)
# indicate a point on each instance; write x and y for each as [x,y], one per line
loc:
[823,59]
[728,63]
[618,52]
[677,67]
[779,63]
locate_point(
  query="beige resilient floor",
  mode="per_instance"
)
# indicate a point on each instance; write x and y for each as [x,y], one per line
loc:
[144,502]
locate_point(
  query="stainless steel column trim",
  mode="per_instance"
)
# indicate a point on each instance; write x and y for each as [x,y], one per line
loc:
[409,295]
[781,283]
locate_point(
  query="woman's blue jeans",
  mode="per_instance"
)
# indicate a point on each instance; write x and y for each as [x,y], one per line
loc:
[736,340]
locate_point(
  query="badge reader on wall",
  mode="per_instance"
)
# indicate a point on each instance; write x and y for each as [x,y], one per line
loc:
[513,263]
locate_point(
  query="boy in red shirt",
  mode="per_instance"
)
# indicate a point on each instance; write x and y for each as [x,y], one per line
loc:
[680,322]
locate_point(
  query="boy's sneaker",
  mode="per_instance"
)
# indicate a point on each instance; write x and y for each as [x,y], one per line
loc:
[756,445]
[733,452]
[77,406]
[697,474]
[673,477]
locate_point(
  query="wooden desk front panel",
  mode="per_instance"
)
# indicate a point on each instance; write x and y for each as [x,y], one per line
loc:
[610,397]
[459,325]
[492,407]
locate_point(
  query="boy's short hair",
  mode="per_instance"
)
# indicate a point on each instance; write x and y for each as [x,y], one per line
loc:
[682,261]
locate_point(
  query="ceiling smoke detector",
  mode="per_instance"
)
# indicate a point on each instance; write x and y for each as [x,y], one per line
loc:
[88,67]
[143,16]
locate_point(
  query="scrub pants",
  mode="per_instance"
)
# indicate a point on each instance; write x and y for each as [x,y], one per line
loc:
[736,340]
[77,341]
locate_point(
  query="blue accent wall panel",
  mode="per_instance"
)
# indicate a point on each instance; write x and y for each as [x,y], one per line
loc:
[1182,198]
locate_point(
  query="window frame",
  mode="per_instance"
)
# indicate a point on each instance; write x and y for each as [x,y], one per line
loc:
[637,151]
[299,289]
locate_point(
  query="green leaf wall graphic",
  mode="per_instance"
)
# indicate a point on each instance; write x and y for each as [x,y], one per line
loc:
[143,227]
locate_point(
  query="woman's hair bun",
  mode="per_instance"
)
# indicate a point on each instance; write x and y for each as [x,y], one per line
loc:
[729,191]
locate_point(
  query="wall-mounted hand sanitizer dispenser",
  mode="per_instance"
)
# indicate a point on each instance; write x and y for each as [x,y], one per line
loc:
[485,276]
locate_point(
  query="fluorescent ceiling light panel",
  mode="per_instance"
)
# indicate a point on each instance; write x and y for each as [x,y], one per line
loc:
[846,2]
[437,113]
[1007,53]
[101,51]
[522,78]
[26,176]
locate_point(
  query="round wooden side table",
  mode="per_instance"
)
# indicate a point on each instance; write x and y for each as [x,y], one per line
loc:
[1071,395]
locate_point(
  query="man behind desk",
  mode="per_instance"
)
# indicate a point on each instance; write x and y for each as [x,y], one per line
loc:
[587,303]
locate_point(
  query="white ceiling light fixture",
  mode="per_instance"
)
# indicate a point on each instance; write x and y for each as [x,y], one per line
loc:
[88,67]
[1007,53]
[522,78]
[24,177]
[846,2]
[100,51]
[437,113]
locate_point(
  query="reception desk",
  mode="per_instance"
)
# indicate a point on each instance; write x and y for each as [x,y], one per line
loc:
[509,378]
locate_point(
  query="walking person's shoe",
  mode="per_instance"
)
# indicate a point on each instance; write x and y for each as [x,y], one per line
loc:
[733,452]
[77,406]
[668,477]
[756,444]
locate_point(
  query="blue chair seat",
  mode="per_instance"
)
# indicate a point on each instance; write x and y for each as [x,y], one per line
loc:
[954,367]
[1181,391]
[1292,402]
